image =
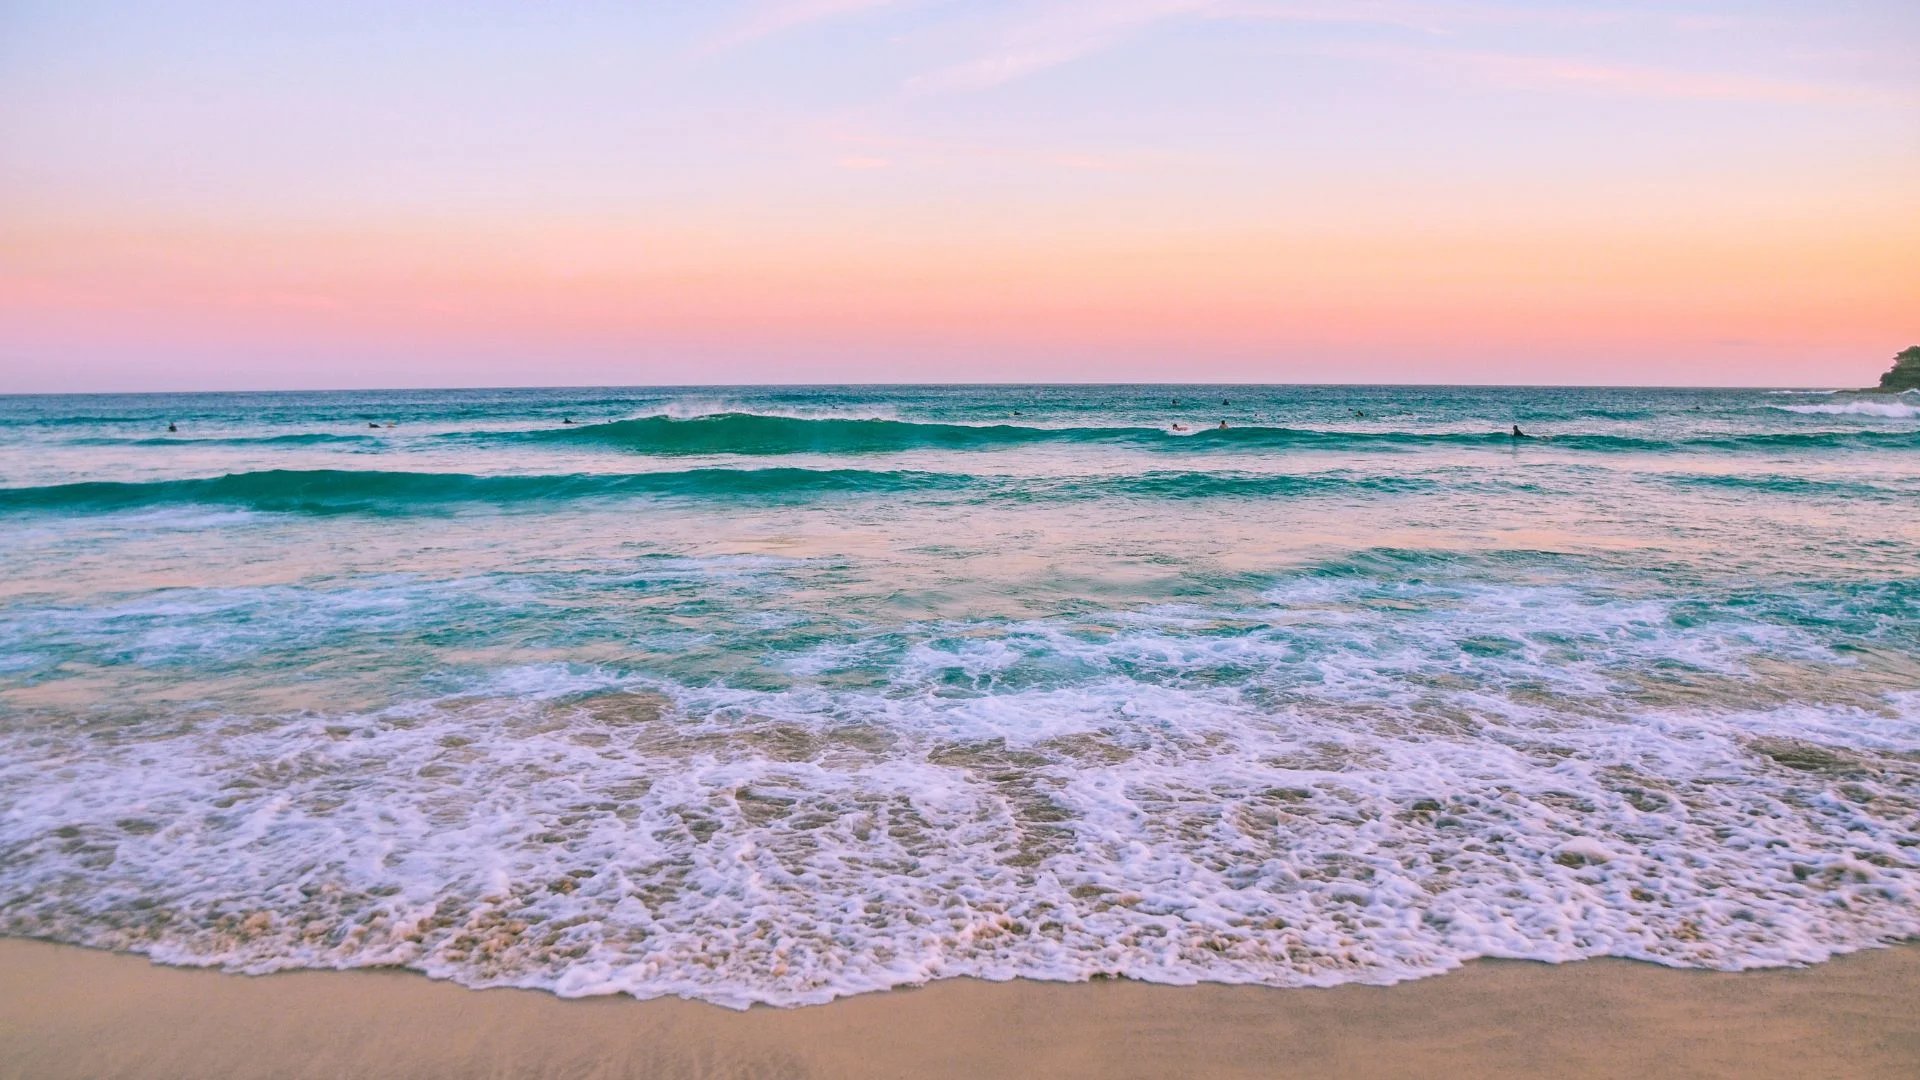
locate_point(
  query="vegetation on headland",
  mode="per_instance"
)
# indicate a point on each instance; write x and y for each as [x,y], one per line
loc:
[1905,373]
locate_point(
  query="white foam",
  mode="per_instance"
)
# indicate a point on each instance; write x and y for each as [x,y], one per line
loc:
[1345,786]
[701,408]
[1891,409]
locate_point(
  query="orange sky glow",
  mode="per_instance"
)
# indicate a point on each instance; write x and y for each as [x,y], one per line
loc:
[788,250]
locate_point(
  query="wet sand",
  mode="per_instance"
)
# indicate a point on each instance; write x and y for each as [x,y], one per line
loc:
[70,1012]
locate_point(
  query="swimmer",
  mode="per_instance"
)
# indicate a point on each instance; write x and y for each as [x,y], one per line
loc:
[1179,427]
[1223,425]
[171,429]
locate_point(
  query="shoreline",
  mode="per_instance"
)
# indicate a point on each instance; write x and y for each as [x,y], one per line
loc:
[66,1010]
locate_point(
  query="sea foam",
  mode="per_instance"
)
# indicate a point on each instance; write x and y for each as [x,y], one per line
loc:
[1304,792]
[1891,409]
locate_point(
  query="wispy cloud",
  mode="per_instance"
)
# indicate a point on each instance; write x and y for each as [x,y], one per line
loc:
[1058,34]
[779,16]
[1618,80]
[1449,16]
[1046,34]
[1061,32]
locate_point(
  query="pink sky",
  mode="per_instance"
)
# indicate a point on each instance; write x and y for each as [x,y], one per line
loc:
[1559,193]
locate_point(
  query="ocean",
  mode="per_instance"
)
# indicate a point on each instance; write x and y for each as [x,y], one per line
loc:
[775,695]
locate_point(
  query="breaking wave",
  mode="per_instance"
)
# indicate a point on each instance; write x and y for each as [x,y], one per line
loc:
[358,491]
[1891,409]
[762,434]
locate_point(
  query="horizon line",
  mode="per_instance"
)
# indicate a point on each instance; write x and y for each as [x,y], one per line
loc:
[911,385]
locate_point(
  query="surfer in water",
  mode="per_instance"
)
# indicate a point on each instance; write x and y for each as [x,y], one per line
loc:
[566,419]
[171,430]
[1518,434]
[1179,427]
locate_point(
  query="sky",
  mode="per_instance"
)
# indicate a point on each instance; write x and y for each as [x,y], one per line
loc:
[228,195]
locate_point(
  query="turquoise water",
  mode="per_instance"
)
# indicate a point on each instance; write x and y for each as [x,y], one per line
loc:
[780,694]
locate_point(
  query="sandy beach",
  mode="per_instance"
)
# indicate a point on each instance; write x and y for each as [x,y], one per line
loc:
[70,1012]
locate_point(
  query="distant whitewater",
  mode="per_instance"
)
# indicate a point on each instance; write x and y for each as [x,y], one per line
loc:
[1899,410]
[785,694]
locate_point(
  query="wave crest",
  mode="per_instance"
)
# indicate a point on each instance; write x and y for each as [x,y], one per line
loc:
[325,491]
[347,491]
[1891,409]
[760,434]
